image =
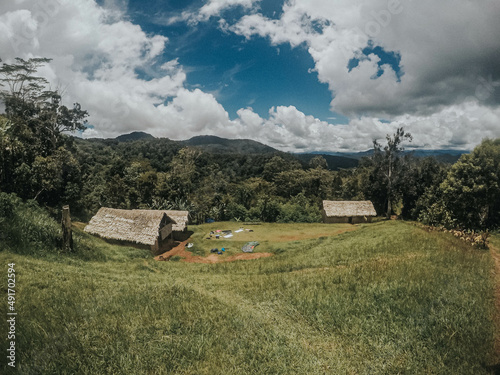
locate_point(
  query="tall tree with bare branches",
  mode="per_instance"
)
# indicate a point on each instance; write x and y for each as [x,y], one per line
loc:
[388,166]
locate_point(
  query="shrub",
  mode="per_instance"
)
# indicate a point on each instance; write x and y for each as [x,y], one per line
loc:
[437,214]
[473,238]
[7,205]
[26,227]
[297,211]
[235,211]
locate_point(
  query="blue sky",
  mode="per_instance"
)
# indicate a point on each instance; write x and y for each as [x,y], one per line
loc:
[298,75]
[240,73]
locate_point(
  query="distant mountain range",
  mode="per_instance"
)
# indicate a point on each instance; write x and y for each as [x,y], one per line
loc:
[211,143]
[335,160]
[418,153]
[445,156]
[134,136]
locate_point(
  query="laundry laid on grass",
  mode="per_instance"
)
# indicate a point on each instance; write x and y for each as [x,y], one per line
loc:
[225,233]
[217,251]
[249,246]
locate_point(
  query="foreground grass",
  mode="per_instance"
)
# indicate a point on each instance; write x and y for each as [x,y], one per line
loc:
[386,298]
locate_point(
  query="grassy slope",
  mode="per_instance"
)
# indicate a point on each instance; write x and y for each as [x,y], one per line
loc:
[387,298]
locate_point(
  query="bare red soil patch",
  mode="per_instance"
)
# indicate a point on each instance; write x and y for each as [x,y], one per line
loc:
[187,256]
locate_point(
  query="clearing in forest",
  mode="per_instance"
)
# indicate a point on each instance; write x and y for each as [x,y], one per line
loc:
[231,236]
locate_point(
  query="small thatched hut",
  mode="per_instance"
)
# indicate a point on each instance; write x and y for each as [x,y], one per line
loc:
[179,225]
[348,212]
[150,228]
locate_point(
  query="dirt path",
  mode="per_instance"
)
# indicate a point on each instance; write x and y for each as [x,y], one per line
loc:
[187,256]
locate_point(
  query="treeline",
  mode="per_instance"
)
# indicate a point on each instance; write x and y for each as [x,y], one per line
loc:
[39,162]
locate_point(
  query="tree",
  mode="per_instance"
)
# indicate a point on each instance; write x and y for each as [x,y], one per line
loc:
[388,167]
[471,190]
[276,165]
[420,176]
[291,182]
[183,172]
[32,127]
[22,90]
[141,179]
[28,102]
[356,185]
[9,147]
[318,162]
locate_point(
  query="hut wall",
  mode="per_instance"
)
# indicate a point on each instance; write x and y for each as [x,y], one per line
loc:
[165,231]
[333,219]
[347,219]
[336,219]
[161,246]
[180,235]
[323,215]
[361,219]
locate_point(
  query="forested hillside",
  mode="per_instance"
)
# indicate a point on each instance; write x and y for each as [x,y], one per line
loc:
[222,179]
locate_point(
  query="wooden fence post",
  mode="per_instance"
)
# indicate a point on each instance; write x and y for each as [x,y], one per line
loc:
[66,229]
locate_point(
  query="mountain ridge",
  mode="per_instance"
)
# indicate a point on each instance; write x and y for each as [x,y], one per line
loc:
[335,160]
[134,136]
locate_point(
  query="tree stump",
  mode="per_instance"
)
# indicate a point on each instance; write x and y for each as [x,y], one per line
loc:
[67,235]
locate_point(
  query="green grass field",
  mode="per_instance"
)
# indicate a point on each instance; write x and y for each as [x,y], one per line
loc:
[386,298]
[272,237]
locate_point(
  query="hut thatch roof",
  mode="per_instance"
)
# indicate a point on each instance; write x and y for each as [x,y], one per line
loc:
[137,226]
[179,218]
[348,208]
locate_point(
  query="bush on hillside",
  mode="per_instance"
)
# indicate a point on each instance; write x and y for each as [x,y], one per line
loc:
[25,227]
[235,211]
[299,210]
[297,213]
[473,238]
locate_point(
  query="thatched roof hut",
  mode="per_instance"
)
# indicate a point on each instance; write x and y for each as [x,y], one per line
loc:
[142,227]
[180,219]
[348,211]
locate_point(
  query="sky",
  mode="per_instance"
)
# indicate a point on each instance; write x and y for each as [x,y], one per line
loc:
[298,75]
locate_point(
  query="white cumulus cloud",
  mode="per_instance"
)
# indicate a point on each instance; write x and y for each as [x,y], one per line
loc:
[448,95]
[449,57]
